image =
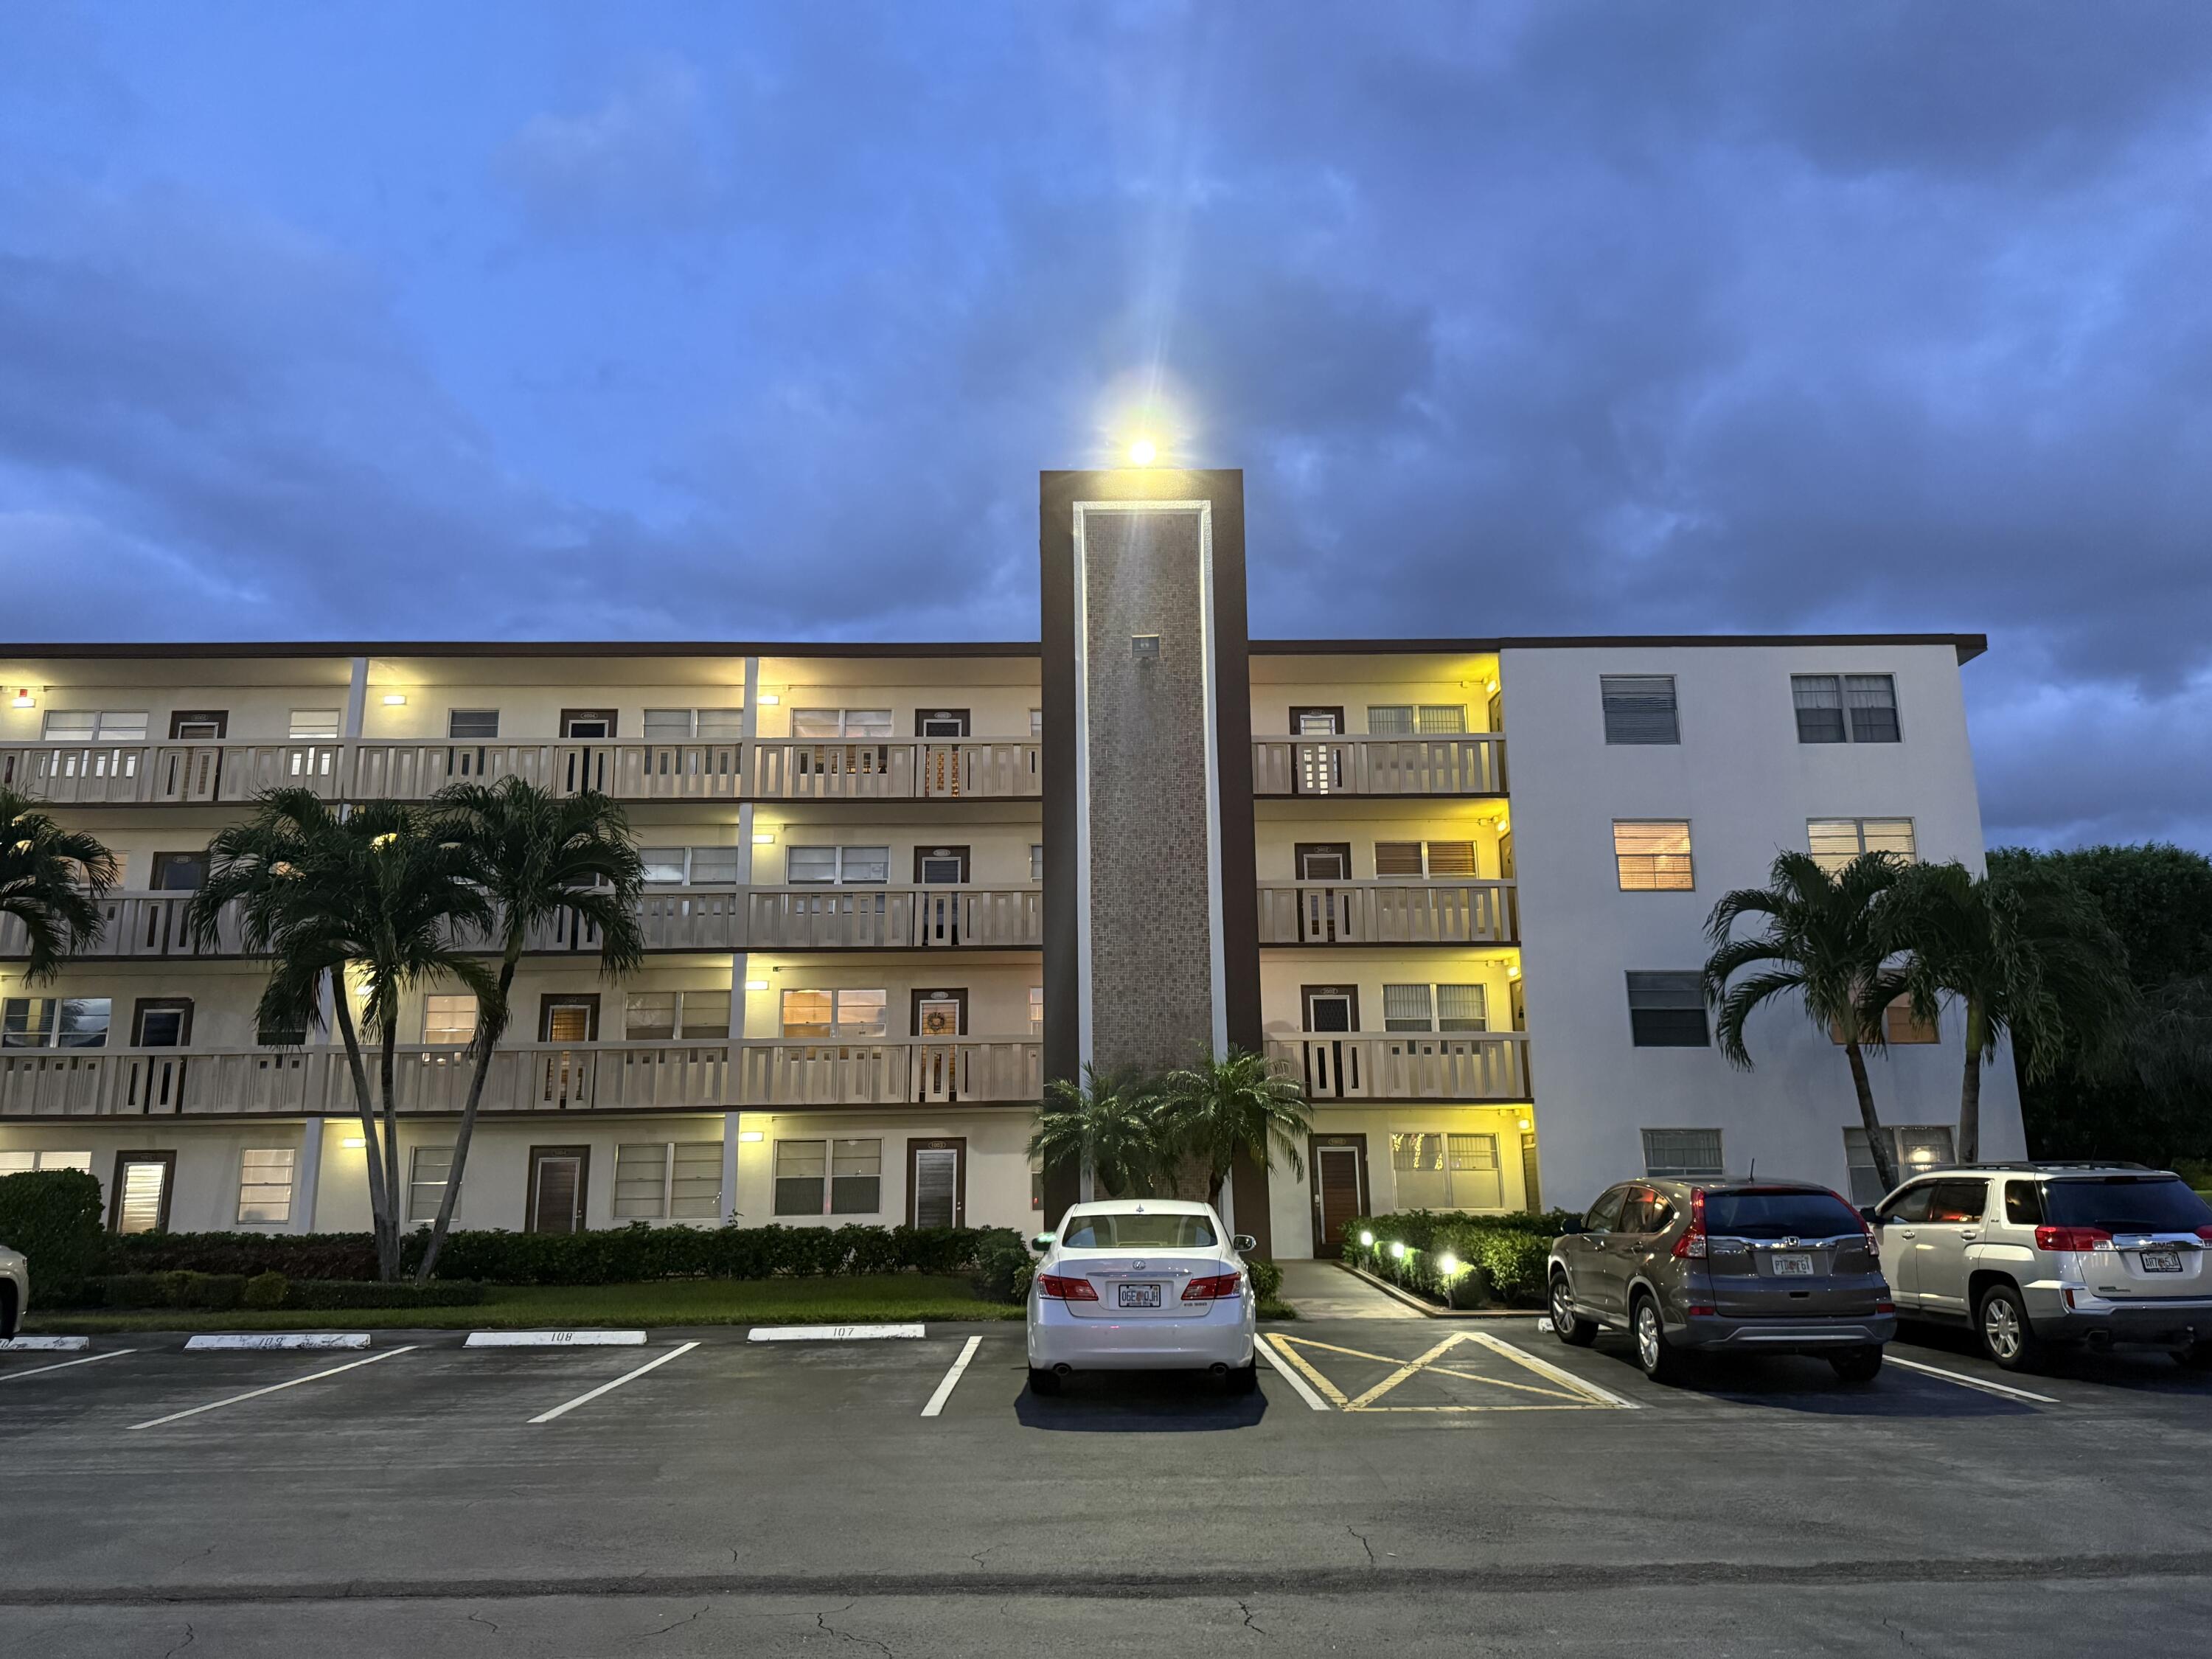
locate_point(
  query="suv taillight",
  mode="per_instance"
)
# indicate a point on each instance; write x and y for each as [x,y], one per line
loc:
[1211,1289]
[1056,1288]
[2071,1238]
[1690,1246]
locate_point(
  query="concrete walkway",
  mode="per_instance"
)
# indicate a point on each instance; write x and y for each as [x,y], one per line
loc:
[1323,1290]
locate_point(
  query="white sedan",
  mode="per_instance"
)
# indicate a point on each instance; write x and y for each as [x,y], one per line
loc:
[1151,1284]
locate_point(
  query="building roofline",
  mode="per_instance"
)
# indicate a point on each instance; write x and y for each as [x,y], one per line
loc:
[1968,646]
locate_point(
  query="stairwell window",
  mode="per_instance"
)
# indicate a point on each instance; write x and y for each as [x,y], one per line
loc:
[1681,1153]
[1639,707]
[1845,708]
[668,1181]
[1652,855]
[1834,842]
[1416,720]
[264,1187]
[1667,1010]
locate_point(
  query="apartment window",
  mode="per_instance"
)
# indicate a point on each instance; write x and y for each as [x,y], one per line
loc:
[162,1023]
[1639,707]
[1667,1010]
[668,1181]
[56,1022]
[281,1036]
[1682,1151]
[1435,1008]
[665,1015]
[95,725]
[449,1018]
[429,1169]
[472,725]
[1036,1009]
[1845,708]
[1916,1147]
[1037,860]
[1652,855]
[22,1163]
[695,866]
[843,866]
[310,724]
[839,1013]
[1898,1026]
[1400,720]
[1447,1172]
[1037,722]
[688,725]
[829,1177]
[865,725]
[265,1186]
[1834,842]
[1436,861]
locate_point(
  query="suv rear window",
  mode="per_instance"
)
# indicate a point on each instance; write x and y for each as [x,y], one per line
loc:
[1781,1212]
[1113,1232]
[2127,1204]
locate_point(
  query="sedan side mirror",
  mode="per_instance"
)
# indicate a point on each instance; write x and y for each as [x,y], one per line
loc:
[1867,1215]
[1242,1241]
[1042,1243]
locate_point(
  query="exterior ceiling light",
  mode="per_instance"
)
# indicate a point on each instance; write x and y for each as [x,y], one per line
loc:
[395,700]
[1143,452]
[25,700]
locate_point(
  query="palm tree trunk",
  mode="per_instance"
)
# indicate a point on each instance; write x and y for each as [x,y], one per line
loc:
[1885,1162]
[460,1158]
[387,1067]
[1969,1086]
[379,1204]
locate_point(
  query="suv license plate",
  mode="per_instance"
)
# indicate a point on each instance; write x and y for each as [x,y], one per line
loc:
[2161,1262]
[1140,1295]
[1792,1266]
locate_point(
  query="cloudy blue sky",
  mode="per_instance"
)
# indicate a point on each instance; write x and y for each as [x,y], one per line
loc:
[752,321]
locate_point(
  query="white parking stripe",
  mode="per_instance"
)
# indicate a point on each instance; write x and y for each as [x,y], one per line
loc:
[1304,1388]
[677,1353]
[275,1387]
[952,1377]
[1965,1382]
[40,1371]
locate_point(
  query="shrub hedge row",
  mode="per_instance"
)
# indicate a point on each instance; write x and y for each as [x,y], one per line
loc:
[181,1288]
[53,1217]
[1501,1257]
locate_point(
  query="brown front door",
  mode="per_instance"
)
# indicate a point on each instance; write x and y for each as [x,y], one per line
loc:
[937,1183]
[1338,1167]
[558,1176]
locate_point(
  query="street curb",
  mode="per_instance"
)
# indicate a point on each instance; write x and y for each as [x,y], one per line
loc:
[1429,1310]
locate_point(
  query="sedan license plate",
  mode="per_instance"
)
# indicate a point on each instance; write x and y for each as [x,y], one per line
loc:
[1792,1266]
[1140,1295]
[2161,1262]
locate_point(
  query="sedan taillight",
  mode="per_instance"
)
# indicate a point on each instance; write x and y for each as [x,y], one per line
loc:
[1053,1287]
[1212,1289]
[2071,1238]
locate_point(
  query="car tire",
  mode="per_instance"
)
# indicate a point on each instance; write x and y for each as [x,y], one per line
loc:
[2196,1358]
[1043,1381]
[1661,1362]
[1245,1379]
[1570,1327]
[1857,1364]
[2001,1324]
[7,1312]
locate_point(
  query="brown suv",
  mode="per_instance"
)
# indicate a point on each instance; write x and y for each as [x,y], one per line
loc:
[1728,1266]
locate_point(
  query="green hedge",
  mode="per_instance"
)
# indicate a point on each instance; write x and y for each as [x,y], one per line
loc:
[296,1255]
[1501,1257]
[312,1293]
[221,1292]
[53,1217]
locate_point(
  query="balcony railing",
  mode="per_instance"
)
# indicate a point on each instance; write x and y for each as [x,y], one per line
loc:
[164,773]
[1469,765]
[808,1072]
[1410,1066]
[1388,913]
[793,770]
[183,1082]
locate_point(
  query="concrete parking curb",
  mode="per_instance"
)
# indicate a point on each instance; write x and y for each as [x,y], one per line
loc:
[46,1344]
[832,1333]
[555,1339]
[267,1341]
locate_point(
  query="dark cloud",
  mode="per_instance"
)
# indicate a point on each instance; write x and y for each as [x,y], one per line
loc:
[1542,318]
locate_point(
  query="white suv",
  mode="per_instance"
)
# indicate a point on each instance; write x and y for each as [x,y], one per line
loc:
[2032,1255]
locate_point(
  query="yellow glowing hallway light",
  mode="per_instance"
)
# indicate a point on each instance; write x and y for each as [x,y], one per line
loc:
[1143,452]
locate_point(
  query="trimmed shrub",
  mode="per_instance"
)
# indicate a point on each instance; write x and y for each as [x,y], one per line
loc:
[53,1217]
[327,1294]
[1003,1267]
[267,1289]
[296,1255]
[1266,1280]
[212,1292]
[1501,1257]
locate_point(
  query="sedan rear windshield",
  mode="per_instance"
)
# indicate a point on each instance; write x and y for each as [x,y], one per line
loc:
[2126,1204]
[1114,1232]
[1778,1214]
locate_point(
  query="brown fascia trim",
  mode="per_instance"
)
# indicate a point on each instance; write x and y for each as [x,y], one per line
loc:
[1968,646]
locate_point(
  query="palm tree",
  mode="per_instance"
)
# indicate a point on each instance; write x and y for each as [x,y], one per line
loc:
[1822,945]
[52,881]
[1107,1123]
[535,855]
[1237,1104]
[375,894]
[2027,955]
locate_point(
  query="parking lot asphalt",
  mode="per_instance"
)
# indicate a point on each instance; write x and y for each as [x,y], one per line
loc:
[1423,1483]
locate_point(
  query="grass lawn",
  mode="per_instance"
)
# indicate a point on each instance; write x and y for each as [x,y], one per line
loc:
[902,1297]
